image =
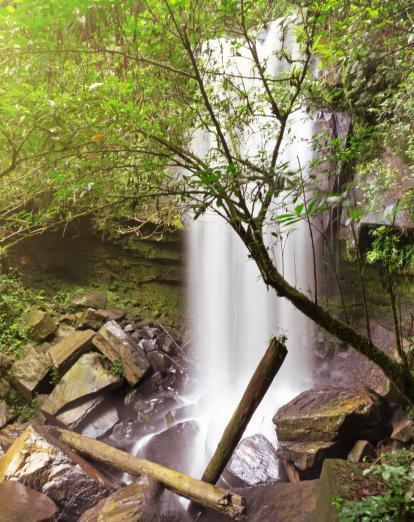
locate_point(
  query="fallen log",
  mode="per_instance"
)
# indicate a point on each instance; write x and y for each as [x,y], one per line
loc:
[255,391]
[197,491]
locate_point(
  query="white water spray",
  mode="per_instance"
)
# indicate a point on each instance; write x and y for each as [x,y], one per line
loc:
[233,313]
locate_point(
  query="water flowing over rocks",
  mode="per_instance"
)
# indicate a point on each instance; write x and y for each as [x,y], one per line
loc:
[20,503]
[37,460]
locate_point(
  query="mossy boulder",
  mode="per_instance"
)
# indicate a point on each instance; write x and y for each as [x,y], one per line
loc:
[30,374]
[130,504]
[89,376]
[310,454]
[40,325]
[330,413]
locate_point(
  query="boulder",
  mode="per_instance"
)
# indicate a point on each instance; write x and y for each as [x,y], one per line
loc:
[95,299]
[30,373]
[130,504]
[100,422]
[111,314]
[40,325]
[309,455]
[253,462]
[116,345]
[27,504]
[73,417]
[63,331]
[69,349]
[9,434]
[90,318]
[330,413]
[361,451]
[88,376]
[403,430]
[39,461]
[345,480]
[281,502]
[4,414]
[173,447]
[4,388]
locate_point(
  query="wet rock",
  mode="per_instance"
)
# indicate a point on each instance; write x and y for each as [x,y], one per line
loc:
[92,319]
[88,376]
[29,374]
[330,413]
[173,447]
[130,504]
[253,462]
[362,450]
[19,503]
[39,461]
[4,414]
[116,345]
[282,502]
[89,299]
[69,349]
[40,325]
[310,454]
[403,430]
[73,417]
[101,422]
[158,361]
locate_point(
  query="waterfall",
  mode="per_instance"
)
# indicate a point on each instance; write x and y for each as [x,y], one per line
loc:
[233,313]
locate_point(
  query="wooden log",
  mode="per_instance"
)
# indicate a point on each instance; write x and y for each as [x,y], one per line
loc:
[255,391]
[197,491]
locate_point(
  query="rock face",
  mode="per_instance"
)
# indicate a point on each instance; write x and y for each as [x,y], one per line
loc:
[40,325]
[40,462]
[349,368]
[29,374]
[116,345]
[87,377]
[19,503]
[330,413]
[69,349]
[253,462]
[130,504]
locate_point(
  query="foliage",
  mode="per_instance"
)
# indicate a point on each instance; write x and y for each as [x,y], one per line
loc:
[390,249]
[396,471]
[24,410]
[117,368]
[15,301]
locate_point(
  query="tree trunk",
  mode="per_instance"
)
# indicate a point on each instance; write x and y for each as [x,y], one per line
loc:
[399,374]
[207,495]
[255,391]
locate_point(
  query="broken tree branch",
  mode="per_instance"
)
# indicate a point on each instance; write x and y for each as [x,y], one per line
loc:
[207,495]
[255,391]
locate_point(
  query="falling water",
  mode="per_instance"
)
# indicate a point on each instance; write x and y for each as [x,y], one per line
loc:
[233,313]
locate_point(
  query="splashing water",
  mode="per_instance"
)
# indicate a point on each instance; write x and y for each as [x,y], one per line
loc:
[233,313]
